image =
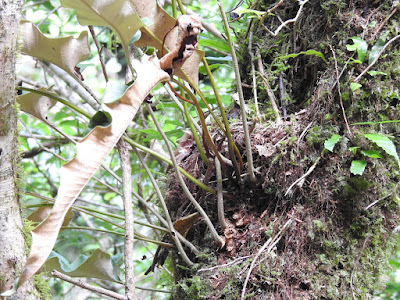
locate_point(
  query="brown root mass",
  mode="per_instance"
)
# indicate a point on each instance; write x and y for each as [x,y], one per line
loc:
[337,244]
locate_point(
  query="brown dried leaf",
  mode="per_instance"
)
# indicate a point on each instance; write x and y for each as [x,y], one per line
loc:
[64,52]
[183,225]
[35,104]
[91,152]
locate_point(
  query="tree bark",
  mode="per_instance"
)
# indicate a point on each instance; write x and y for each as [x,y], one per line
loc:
[12,241]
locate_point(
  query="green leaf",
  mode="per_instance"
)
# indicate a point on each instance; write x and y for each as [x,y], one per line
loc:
[385,143]
[100,118]
[216,44]
[353,149]
[358,167]
[374,73]
[308,52]
[331,142]
[360,45]
[376,122]
[354,86]
[377,47]
[371,153]
[203,71]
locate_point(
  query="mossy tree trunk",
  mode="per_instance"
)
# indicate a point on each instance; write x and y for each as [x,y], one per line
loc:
[325,232]
[12,237]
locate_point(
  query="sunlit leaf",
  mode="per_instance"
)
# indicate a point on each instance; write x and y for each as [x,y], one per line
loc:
[358,167]
[64,52]
[385,143]
[374,73]
[354,86]
[360,46]
[331,142]
[371,153]
[308,52]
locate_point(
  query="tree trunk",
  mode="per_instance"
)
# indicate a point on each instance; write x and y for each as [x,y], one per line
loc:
[12,239]
[310,228]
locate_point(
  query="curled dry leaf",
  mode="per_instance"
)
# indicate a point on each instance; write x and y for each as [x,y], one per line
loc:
[64,52]
[182,42]
[35,104]
[91,152]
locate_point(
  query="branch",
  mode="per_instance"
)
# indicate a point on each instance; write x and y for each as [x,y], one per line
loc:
[129,219]
[87,286]
[275,33]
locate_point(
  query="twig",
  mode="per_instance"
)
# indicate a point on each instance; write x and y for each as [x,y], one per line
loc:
[375,202]
[270,93]
[275,33]
[301,179]
[376,58]
[253,74]
[386,20]
[75,85]
[214,233]
[340,93]
[87,286]
[220,197]
[270,244]
[129,219]
[233,262]
[103,67]
[249,154]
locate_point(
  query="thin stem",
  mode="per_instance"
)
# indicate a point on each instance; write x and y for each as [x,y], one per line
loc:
[253,74]
[339,91]
[214,233]
[231,144]
[103,67]
[194,133]
[250,167]
[129,219]
[171,227]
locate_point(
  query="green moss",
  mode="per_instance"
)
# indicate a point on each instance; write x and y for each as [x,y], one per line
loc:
[42,288]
